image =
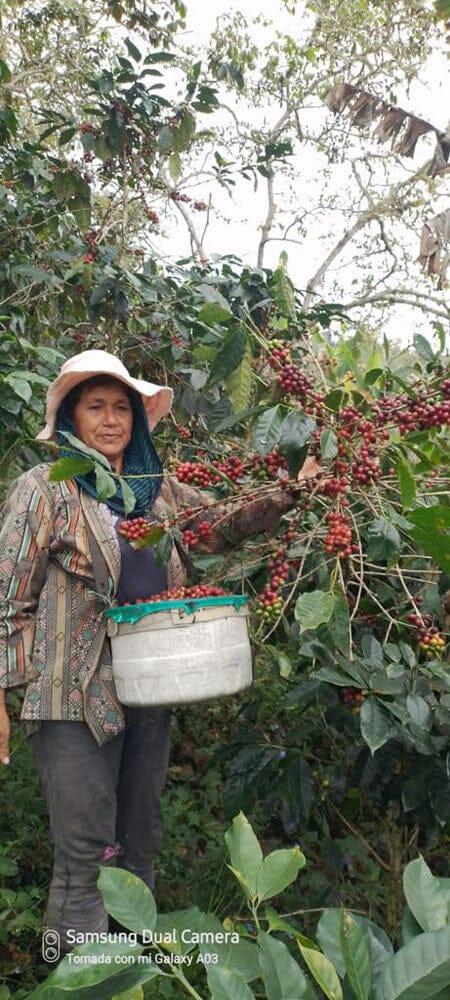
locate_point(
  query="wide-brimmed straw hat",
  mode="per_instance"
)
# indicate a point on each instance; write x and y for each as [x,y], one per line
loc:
[157,399]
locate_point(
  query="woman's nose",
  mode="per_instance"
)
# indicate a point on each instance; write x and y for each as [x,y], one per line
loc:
[110,416]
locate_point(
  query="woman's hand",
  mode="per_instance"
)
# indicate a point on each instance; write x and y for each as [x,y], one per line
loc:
[5,729]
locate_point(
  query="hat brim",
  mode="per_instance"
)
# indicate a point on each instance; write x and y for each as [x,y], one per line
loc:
[157,399]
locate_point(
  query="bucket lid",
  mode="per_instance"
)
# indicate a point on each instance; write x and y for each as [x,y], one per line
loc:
[134,612]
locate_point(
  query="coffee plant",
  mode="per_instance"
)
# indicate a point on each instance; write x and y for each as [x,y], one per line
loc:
[346,733]
[261,953]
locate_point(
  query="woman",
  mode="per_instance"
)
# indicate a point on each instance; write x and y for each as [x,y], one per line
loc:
[102,766]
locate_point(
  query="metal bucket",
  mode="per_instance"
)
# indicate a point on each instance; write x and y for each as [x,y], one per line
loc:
[177,652]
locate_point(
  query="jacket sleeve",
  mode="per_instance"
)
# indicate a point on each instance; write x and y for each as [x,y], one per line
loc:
[234,519]
[25,531]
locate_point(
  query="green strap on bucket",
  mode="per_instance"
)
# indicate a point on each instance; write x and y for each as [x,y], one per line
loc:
[134,612]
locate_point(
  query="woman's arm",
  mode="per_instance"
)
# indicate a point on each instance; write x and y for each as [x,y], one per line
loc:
[25,533]
[256,511]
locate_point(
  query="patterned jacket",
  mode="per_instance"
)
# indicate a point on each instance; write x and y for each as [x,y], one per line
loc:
[52,634]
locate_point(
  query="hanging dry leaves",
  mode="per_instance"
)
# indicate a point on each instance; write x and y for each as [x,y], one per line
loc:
[435,235]
[402,127]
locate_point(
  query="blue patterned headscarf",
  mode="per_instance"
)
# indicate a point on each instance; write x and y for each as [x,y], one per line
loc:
[140,459]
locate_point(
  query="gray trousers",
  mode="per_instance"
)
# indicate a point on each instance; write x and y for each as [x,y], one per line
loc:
[104,808]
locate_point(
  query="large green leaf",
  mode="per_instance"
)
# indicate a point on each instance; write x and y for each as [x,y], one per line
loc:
[135,993]
[239,383]
[127,899]
[328,444]
[356,956]
[225,984]
[91,453]
[432,525]
[384,540]
[278,870]
[313,609]
[406,482]
[240,956]
[172,926]
[323,972]
[267,430]
[215,312]
[329,938]
[283,289]
[419,971]
[283,977]
[296,431]
[104,483]
[420,714]
[245,853]
[229,355]
[129,499]
[93,979]
[65,468]
[376,726]
[426,898]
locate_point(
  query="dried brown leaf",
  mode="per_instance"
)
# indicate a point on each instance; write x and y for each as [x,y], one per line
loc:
[416,127]
[390,124]
[364,109]
[339,96]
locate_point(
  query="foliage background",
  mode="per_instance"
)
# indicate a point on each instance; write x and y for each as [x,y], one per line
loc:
[343,742]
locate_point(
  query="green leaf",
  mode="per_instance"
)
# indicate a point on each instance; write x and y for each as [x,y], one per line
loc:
[406,482]
[184,131]
[90,452]
[239,383]
[5,72]
[135,993]
[426,899]
[278,870]
[104,483]
[376,726]
[283,977]
[229,355]
[420,715]
[431,532]
[340,622]
[212,313]
[163,549]
[328,444]
[329,938]
[356,956]
[65,468]
[419,970]
[20,386]
[384,540]
[282,661]
[165,139]
[323,972]
[423,347]
[133,50]
[267,430]
[129,499]
[84,979]
[282,288]
[312,609]
[175,166]
[245,853]
[127,899]
[225,984]
[296,431]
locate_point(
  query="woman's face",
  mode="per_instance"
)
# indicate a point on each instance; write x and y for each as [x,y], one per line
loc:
[103,419]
